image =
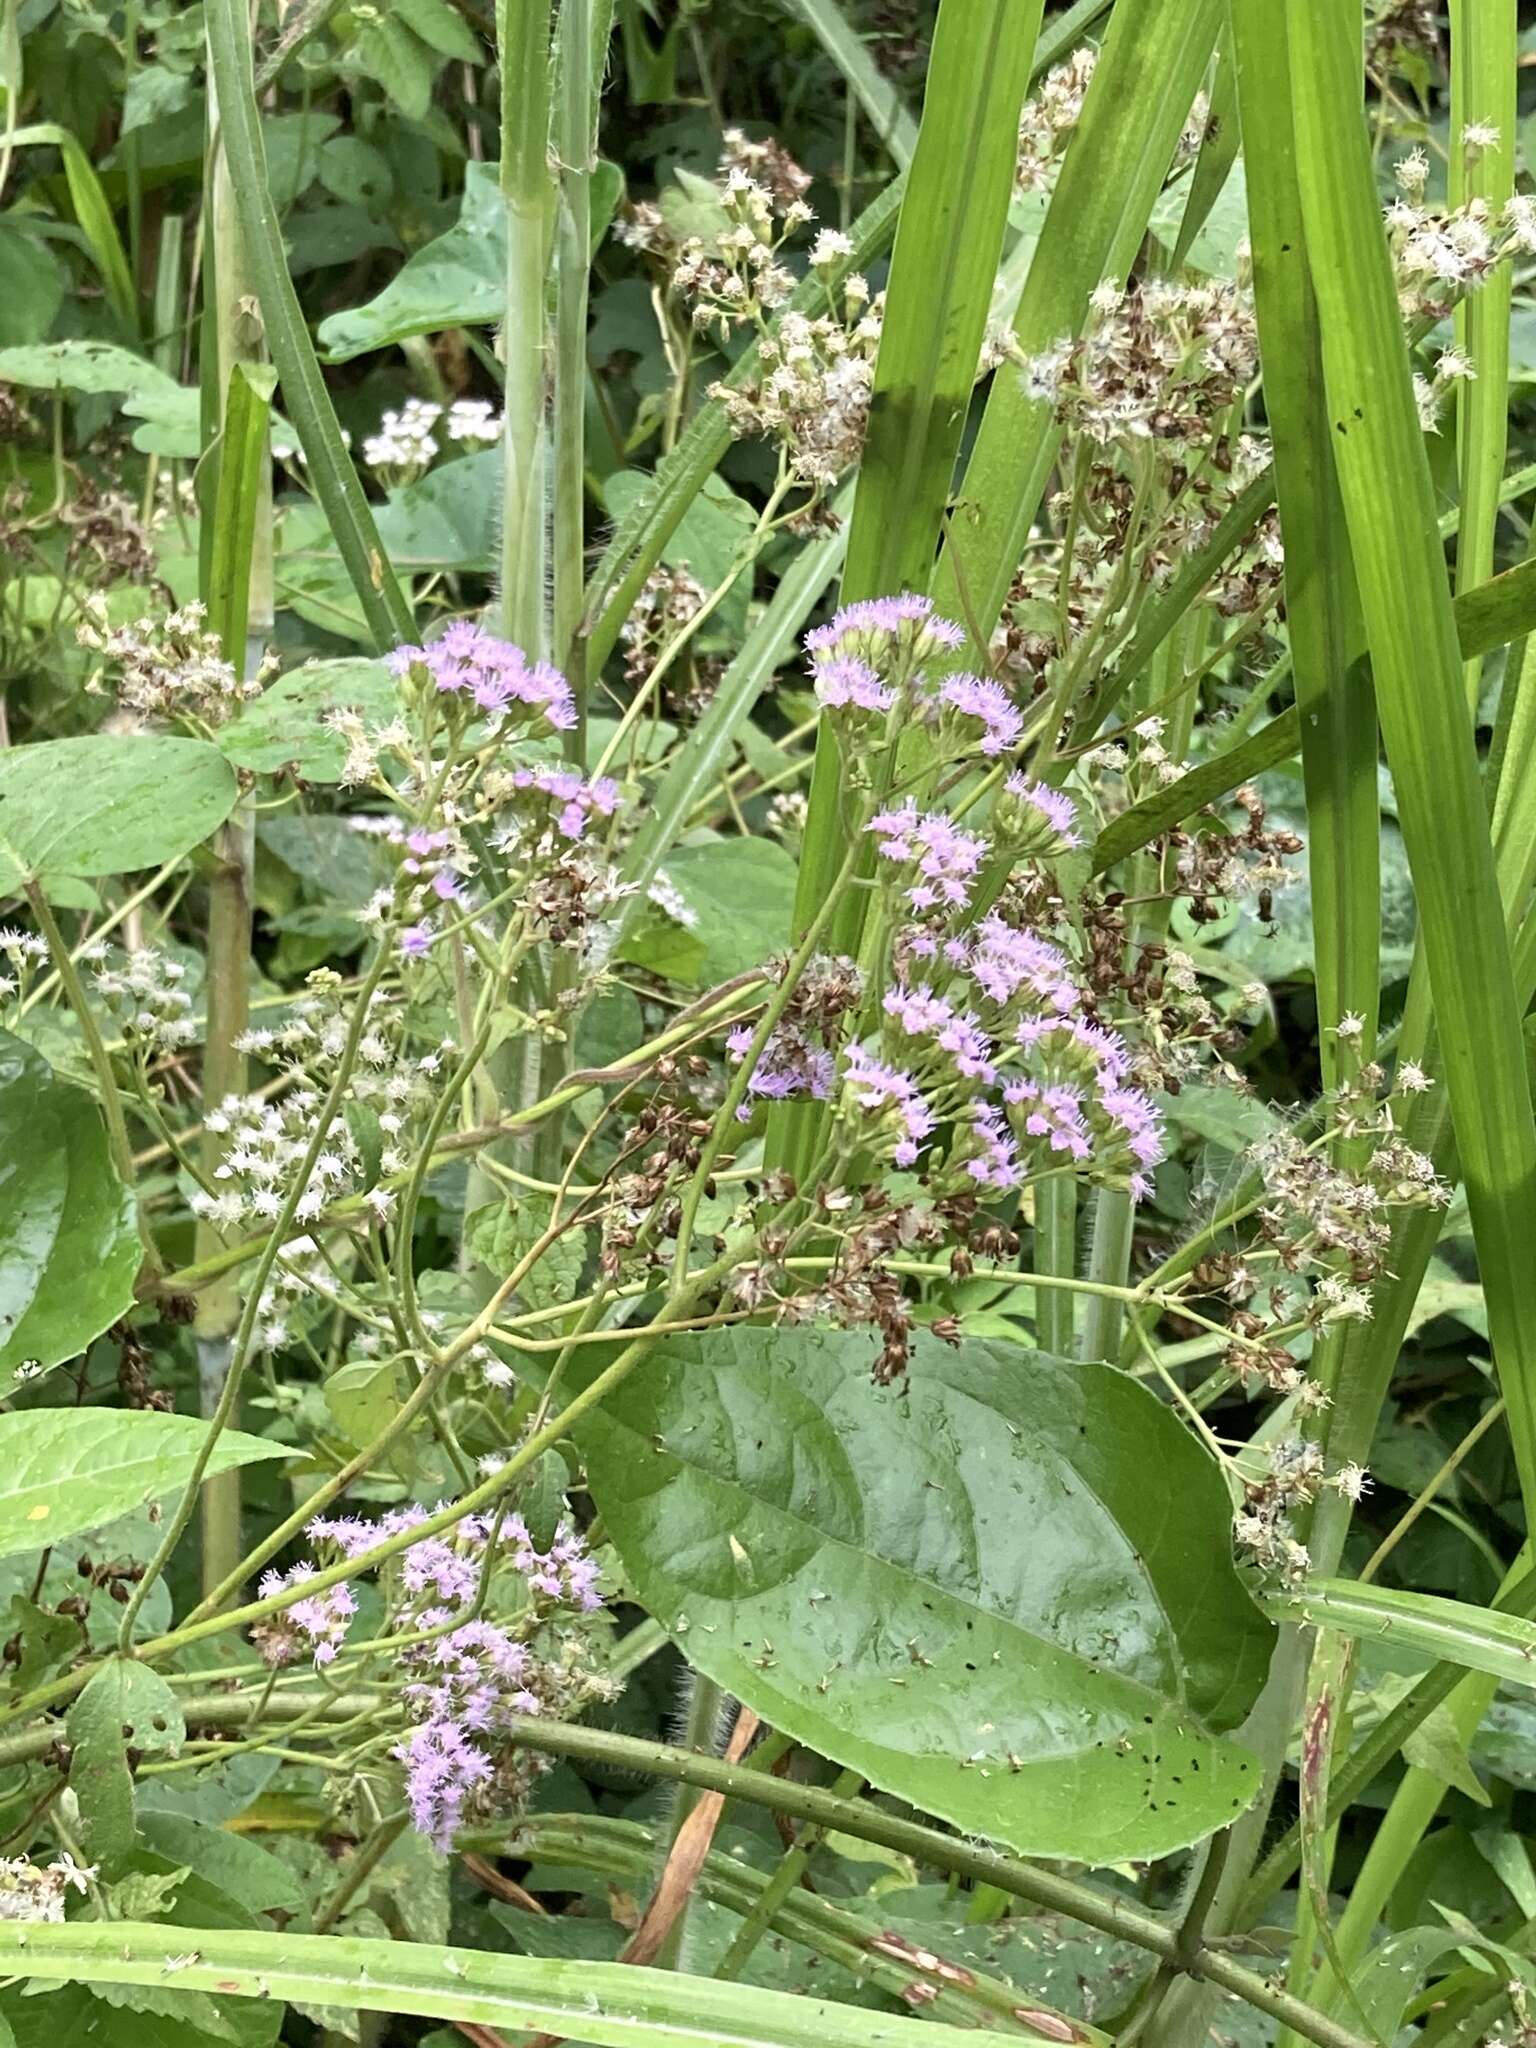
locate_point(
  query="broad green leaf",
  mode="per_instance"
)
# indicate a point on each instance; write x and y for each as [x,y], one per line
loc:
[503,1233]
[69,1240]
[737,895]
[124,1706]
[64,1470]
[611,2004]
[86,366]
[107,804]
[1390,1975]
[401,62]
[446,519]
[1436,1745]
[285,726]
[45,1643]
[963,1588]
[363,1398]
[455,281]
[707,540]
[262,1882]
[75,2013]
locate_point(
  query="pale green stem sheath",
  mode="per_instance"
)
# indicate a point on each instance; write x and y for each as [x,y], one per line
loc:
[227,983]
[305,398]
[528,193]
[1484,54]
[1055,1255]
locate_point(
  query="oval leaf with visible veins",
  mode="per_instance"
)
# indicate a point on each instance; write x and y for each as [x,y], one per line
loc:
[1003,1592]
[108,804]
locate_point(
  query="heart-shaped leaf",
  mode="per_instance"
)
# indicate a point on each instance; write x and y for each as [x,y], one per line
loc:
[1003,1592]
[69,1243]
[107,804]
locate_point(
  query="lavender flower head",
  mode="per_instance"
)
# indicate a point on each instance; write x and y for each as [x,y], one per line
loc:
[1038,820]
[474,1673]
[886,630]
[468,664]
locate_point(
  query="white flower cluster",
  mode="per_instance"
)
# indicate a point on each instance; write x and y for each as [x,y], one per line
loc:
[146,994]
[35,1892]
[266,1142]
[812,391]
[23,951]
[407,440]
[170,668]
[1440,253]
[1159,361]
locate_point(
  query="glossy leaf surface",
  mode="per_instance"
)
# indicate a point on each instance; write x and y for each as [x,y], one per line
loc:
[1003,1592]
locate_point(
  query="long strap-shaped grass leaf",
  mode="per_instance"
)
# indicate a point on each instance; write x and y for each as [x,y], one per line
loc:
[1334,701]
[605,2003]
[1399,562]
[305,397]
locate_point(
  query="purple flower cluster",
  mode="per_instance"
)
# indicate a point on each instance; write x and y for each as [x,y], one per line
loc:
[789,1065]
[315,1626]
[565,799]
[896,1096]
[965,701]
[937,861]
[1036,818]
[471,1673]
[468,663]
[847,684]
[883,630]
[993,1044]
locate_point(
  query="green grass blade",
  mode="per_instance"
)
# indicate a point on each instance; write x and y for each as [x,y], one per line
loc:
[947,249]
[1154,57]
[305,398]
[1333,696]
[92,212]
[242,457]
[528,192]
[948,245]
[882,103]
[1218,153]
[1450,1631]
[607,2003]
[1484,46]
[1389,504]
